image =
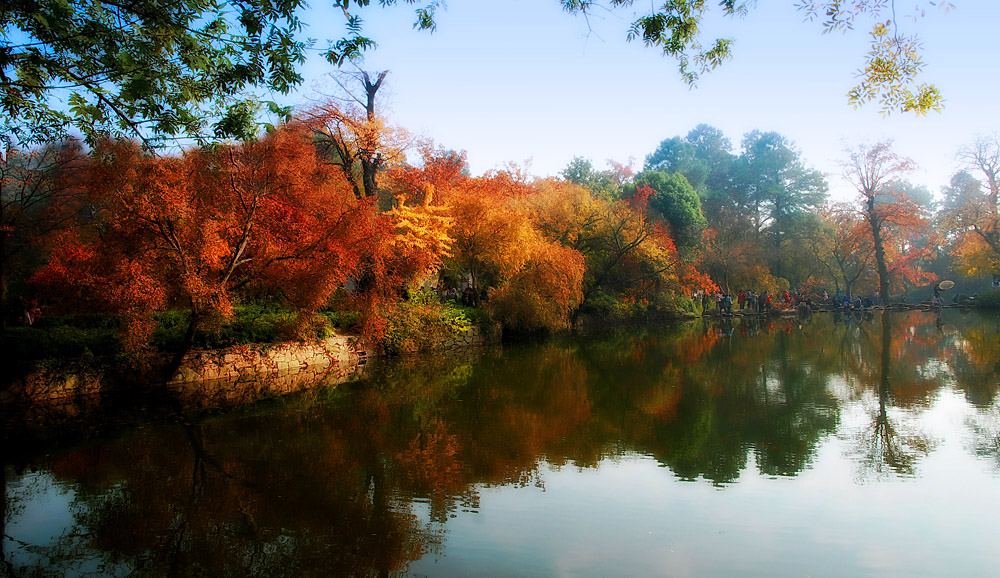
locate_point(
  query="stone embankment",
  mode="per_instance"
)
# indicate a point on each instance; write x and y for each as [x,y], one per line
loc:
[242,374]
[475,336]
[223,377]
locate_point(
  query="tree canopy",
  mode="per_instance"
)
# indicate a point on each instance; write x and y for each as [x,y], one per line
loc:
[674,198]
[146,69]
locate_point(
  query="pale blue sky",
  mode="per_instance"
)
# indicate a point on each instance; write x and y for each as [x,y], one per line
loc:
[520,79]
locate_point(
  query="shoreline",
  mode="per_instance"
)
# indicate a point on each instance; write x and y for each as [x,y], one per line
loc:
[235,376]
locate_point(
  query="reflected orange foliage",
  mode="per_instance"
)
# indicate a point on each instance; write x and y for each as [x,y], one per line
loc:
[697,346]
[661,402]
[432,465]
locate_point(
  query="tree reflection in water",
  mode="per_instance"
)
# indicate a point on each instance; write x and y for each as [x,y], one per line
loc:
[363,479]
[887,447]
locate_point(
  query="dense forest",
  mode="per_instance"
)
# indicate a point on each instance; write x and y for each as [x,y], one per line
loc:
[337,218]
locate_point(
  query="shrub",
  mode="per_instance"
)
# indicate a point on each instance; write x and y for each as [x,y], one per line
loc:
[474,315]
[250,323]
[422,322]
[670,303]
[600,304]
[989,299]
[342,319]
[58,342]
[607,306]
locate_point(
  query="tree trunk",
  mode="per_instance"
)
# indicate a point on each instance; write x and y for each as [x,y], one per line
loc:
[369,172]
[3,281]
[883,270]
[475,287]
[370,160]
[186,344]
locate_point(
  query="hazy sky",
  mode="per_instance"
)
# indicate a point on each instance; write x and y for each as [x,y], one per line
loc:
[520,79]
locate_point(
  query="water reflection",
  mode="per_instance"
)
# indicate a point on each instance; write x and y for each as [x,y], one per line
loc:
[365,479]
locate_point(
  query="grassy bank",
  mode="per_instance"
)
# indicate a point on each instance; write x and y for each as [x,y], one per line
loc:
[95,339]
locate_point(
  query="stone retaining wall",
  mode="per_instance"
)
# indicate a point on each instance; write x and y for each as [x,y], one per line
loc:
[475,336]
[339,354]
[51,384]
[243,374]
[227,376]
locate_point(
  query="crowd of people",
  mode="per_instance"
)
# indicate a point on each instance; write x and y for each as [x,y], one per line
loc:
[465,296]
[750,302]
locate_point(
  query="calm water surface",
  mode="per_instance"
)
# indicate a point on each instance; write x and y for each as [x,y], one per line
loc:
[826,447]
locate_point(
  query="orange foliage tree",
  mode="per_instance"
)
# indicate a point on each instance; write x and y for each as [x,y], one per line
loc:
[423,223]
[492,238]
[536,283]
[544,293]
[871,168]
[190,231]
[975,256]
[38,199]
[626,252]
[734,255]
[910,244]
[843,246]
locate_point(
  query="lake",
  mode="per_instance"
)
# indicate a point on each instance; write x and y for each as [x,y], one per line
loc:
[853,446]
